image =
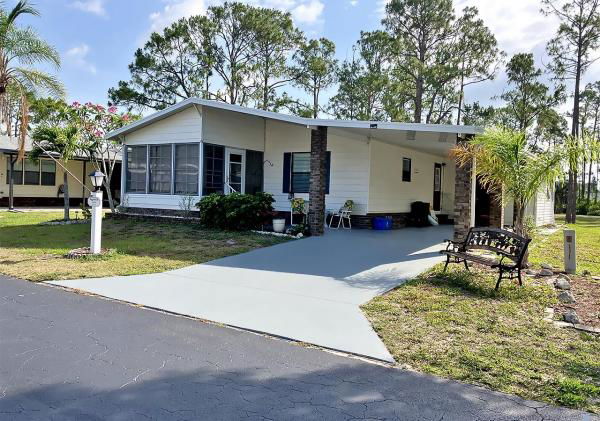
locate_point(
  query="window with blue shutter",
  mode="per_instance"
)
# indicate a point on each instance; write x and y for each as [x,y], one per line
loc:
[296,172]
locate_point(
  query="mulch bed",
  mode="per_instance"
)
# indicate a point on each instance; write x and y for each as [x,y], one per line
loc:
[586,291]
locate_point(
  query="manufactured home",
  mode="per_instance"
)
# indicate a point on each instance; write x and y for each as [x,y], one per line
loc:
[198,147]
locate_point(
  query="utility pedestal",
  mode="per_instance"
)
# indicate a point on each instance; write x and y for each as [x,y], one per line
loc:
[95,202]
[570,251]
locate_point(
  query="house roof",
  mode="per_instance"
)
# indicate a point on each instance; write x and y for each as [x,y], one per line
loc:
[11,146]
[309,122]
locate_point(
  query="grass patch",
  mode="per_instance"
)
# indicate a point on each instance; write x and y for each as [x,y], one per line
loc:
[456,326]
[549,248]
[35,252]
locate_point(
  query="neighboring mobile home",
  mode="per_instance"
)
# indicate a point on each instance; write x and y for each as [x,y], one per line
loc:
[198,147]
[41,183]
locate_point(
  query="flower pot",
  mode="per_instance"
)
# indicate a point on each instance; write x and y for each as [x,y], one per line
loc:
[278,225]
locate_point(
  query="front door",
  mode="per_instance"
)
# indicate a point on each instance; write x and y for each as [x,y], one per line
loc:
[437,187]
[235,167]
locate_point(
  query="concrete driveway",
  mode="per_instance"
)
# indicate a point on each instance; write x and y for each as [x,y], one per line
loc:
[308,290]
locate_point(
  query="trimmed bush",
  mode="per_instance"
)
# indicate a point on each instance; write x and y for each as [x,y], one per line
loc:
[235,211]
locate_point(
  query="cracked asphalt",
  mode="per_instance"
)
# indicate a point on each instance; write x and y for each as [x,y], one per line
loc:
[68,356]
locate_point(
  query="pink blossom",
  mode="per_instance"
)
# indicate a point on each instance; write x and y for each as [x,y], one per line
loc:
[112,109]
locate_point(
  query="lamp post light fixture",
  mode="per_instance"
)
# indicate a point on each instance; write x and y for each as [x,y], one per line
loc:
[95,202]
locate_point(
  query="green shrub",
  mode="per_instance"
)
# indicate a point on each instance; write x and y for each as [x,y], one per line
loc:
[583,207]
[594,209]
[235,211]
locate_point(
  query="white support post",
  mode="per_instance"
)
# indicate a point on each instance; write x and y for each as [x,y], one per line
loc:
[570,252]
[95,201]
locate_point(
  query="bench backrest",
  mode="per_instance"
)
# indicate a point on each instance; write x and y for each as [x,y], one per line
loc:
[497,240]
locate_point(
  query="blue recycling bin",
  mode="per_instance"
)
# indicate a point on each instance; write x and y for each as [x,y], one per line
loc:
[382,223]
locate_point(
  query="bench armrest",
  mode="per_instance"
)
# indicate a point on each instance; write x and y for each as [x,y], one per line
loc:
[454,245]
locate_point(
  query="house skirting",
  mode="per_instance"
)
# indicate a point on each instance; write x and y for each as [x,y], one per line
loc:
[40,201]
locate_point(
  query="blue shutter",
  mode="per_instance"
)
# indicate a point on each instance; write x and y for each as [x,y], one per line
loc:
[287,171]
[327,172]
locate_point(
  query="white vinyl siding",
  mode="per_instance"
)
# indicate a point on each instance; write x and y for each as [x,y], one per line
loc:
[389,194]
[236,130]
[182,127]
[349,165]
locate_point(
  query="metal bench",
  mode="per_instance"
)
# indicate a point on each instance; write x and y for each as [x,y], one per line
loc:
[508,246]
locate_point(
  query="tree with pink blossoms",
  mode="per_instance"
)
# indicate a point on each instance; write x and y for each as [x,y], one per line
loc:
[95,122]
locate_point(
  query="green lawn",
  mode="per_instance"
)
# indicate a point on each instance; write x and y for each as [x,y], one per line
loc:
[35,252]
[549,249]
[456,326]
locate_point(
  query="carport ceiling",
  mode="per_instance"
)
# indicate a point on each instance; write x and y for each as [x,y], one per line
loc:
[435,143]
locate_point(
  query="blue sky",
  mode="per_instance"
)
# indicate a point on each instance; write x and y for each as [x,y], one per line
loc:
[97,38]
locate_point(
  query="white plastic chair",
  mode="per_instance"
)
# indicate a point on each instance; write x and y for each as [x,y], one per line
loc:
[343,214]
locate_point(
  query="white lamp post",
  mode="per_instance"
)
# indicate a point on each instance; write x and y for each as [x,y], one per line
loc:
[95,202]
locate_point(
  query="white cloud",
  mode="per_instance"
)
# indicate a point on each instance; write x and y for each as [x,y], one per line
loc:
[353,2]
[91,6]
[306,12]
[77,56]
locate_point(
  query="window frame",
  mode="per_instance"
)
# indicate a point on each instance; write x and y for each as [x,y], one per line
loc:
[204,167]
[168,146]
[292,189]
[407,175]
[47,172]
[198,166]
[127,172]
[22,172]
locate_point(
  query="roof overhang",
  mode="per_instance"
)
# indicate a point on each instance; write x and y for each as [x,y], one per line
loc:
[308,122]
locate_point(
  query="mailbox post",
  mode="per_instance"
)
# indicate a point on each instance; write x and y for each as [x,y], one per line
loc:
[570,251]
[95,202]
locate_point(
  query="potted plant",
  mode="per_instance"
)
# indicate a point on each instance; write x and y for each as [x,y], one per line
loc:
[278,224]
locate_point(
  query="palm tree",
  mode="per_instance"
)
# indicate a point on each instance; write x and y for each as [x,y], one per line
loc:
[504,162]
[20,50]
[61,143]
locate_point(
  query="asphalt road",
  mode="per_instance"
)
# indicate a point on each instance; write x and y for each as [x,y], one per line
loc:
[69,356]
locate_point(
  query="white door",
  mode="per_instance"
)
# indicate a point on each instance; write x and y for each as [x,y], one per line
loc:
[235,170]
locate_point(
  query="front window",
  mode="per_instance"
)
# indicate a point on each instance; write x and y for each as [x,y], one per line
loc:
[214,169]
[186,168]
[48,177]
[300,172]
[406,169]
[159,165]
[136,169]
[32,173]
[18,172]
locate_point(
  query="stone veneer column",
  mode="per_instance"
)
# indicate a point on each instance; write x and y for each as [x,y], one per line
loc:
[318,180]
[496,210]
[463,200]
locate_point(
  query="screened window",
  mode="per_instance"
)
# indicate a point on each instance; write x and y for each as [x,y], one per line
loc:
[18,175]
[300,172]
[136,169]
[159,164]
[406,169]
[32,173]
[296,172]
[48,176]
[186,168]
[214,169]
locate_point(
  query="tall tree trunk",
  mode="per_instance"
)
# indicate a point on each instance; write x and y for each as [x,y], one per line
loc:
[461,94]
[418,100]
[11,185]
[519,213]
[111,202]
[66,194]
[571,216]
[589,184]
